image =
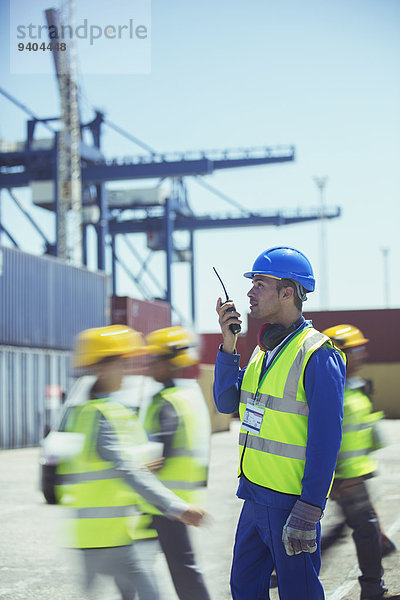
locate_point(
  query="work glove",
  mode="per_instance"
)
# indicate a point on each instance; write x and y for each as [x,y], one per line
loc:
[300,530]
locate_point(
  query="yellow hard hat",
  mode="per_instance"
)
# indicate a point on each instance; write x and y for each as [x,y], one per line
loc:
[176,344]
[346,336]
[93,345]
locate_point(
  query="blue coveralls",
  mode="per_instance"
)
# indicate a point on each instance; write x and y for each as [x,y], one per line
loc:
[258,544]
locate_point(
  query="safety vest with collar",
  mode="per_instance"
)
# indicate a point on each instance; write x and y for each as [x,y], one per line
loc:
[107,511]
[354,459]
[185,469]
[273,454]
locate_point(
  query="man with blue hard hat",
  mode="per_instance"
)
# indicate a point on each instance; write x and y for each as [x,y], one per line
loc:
[290,401]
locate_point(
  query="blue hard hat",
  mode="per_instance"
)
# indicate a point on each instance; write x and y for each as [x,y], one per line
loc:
[285,263]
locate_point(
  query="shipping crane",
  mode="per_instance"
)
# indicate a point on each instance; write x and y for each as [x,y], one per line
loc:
[70,177]
[150,211]
[119,213]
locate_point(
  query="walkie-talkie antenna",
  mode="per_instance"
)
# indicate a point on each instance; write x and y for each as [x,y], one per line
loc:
[234,327]
[222,283]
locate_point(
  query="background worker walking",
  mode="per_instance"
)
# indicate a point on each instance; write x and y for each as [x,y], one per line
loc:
[356,465]
[105,482]
[178,418]
[290,400]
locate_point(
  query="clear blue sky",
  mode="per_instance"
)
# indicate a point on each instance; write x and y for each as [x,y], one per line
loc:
[323,76]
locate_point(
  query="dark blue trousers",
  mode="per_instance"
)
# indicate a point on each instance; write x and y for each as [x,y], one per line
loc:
[259,549]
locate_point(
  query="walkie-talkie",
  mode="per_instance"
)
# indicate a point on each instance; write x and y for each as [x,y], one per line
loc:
[234,327]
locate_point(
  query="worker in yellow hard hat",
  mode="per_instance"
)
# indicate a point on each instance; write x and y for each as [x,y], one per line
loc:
[355,465]
[105,481]
[178,418]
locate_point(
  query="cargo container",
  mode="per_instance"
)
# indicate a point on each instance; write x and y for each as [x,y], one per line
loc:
[382,368]
[142,315]
[33,384]
[45,302]
[380,326]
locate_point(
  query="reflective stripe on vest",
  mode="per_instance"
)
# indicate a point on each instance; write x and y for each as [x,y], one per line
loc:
[65,478]
[178,484]
[185,470]
[358,427]
[272,447]
[275,458]
[106,508]
[352,454]
[286,405]
[354,458]
[106,512]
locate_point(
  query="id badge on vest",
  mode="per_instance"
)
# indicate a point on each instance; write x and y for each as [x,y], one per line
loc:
[252,418]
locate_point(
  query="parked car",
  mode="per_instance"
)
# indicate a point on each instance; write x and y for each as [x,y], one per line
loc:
[59,444]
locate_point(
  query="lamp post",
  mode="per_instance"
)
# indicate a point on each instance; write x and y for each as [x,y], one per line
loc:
[385,253]
[323,276]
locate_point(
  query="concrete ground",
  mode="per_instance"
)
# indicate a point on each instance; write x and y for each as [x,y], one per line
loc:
[34,567]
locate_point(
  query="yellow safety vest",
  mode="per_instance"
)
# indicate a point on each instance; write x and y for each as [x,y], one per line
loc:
[185,471]
[354,459]
[275,457]
[107,511]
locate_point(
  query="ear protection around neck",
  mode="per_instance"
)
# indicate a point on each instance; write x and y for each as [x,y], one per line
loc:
[271,335]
